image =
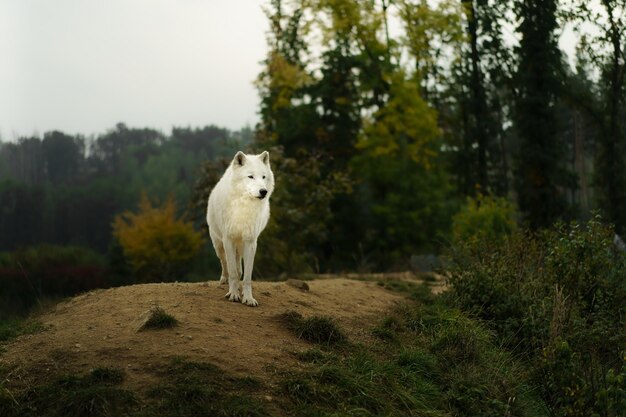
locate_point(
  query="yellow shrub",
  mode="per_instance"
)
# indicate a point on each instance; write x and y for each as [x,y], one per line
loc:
[158,245]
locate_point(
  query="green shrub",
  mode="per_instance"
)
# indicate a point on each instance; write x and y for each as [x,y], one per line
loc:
[315,329]
[13,327]
[556,297]
[30,274]
[484,217]
[159,319]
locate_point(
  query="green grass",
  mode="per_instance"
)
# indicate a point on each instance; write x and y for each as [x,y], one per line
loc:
[184,389]
[11,328]
[428,360]
[202,389]
[94,394]
[415,291]
[159,319]
[316,329]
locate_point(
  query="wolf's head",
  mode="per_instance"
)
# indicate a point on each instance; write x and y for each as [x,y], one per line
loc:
[253,174]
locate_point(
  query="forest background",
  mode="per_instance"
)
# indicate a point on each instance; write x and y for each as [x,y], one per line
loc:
[383,141]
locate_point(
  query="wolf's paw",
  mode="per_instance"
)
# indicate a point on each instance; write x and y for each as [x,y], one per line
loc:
[223,280]
[232,296]
[249,301]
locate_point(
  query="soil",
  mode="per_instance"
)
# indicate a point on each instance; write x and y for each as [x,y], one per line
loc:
[101,328]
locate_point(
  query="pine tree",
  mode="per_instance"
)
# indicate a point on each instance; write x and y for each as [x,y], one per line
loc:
[540,169]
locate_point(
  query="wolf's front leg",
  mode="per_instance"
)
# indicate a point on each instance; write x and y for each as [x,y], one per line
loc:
[249,250]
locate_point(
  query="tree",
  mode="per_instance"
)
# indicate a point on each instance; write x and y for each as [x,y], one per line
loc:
[63,156]
[404,193]
[158,245]
[347,108]
[22,214]
[604,49]
[540,168]
[110,148]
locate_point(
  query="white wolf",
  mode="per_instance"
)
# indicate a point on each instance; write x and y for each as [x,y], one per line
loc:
[237,213]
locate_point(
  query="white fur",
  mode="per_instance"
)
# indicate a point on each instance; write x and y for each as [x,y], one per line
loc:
[236,217]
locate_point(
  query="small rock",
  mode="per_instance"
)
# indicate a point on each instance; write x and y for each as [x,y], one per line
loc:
[77,345]
[189,337]
[298,283]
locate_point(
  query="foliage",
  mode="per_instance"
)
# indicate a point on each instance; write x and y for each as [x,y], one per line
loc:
[190,388]
[362,117]
[158,245]
[316,329]
[406,126]
[441,363]
[403,194]
[159,319]
[301,213]
[94,394]
[29,275]
[540,168]
[484,218]
[13,327]
[183,388]
[402,208]
[66,190]
[601,62]
[557,298]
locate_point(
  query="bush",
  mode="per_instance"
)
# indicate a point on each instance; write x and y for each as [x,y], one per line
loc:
[159,319]
[158,245]
[314,329]
[484,217]
[556,297]
[30,274]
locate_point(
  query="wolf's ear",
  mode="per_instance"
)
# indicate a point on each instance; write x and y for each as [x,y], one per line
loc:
[265,157]
[240,159]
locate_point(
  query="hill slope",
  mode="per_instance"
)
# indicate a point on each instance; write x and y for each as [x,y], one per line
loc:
[100,328]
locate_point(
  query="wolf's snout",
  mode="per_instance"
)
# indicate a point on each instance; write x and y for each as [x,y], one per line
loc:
[263,192]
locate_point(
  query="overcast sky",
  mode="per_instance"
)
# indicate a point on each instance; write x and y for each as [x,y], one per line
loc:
[81,66]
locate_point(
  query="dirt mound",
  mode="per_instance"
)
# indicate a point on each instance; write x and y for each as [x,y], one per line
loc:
[100,328]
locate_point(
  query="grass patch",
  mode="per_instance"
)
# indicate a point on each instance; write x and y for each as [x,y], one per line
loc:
[388,329]
[316,329]
[185,389]
[14,327]
[202,389]
[94,394]
[312,356]
[415,291]
[441,363]
[159,319]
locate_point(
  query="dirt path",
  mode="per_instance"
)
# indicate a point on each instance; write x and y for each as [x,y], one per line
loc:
[100,328]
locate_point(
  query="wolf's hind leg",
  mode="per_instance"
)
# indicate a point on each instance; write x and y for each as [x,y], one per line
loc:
[221,253]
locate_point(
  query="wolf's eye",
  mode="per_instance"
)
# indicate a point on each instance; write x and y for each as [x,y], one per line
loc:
[251,176]
[263,176]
